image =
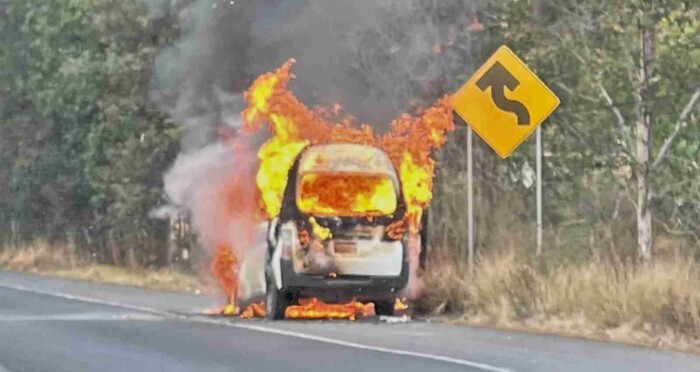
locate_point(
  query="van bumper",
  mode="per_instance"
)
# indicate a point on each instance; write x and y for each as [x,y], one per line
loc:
[344,286]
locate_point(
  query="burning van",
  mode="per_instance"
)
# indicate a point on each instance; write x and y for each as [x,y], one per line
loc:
[339,234]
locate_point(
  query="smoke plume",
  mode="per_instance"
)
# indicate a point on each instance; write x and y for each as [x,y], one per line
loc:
[374,58]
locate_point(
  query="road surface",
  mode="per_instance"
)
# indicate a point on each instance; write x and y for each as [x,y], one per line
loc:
[49,324]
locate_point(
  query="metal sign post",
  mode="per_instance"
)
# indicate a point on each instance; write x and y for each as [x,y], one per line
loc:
[539,190]
[504,102]
[470,202]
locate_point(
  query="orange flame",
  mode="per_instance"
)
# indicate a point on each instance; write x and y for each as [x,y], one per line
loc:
[293,126]
[254,310]
[313,308]
[400,304]
[234,212]
[327,194]
[225,269]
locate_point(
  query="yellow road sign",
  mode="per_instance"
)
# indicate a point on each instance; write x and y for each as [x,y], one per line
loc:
[504,102]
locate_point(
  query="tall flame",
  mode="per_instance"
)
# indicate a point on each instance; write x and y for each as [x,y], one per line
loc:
[224,266]
[233,215]
[293,126]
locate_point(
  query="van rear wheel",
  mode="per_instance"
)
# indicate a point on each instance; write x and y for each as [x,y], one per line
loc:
[384,307]
[276,301]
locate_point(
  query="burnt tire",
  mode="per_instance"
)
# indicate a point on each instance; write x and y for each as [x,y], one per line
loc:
[276,301]
[384,307]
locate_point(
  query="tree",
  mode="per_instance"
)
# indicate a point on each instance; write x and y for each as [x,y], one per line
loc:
[83,150]
[599,143]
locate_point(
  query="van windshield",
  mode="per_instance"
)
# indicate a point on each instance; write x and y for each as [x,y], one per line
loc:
[346,194]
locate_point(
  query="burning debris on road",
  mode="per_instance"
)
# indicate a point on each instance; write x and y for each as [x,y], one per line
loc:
[313,308]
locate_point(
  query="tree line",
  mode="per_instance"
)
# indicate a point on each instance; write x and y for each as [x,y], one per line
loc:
[83,148]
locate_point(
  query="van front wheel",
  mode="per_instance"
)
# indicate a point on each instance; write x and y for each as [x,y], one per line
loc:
[276,301]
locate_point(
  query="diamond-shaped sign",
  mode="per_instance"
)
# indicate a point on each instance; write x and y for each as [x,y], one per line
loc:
[504,102]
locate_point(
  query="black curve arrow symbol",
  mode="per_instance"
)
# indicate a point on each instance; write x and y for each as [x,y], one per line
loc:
[498,78]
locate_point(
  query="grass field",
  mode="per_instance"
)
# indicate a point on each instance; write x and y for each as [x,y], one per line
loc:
[62,261]
[653,304]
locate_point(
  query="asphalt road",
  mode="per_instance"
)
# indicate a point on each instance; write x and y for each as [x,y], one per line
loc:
[49,324]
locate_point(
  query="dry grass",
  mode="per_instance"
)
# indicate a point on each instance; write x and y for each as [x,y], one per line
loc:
[62,261]
[655,304]
[39,257]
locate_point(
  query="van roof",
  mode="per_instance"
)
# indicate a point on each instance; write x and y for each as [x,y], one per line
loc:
[346,158]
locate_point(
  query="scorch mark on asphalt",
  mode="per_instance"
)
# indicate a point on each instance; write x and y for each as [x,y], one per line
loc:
[252,327]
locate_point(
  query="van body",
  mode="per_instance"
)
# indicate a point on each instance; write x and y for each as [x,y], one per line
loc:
[335,236]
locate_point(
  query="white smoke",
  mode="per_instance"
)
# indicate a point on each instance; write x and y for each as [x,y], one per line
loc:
[197,183]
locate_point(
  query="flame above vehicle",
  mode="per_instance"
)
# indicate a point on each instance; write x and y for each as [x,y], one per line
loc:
[293,126]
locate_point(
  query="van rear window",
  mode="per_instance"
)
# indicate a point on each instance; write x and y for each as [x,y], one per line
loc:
[346,194]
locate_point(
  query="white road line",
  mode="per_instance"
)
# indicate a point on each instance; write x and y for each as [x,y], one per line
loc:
[482,366]
[85,299]
[81,317]
[463,362]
